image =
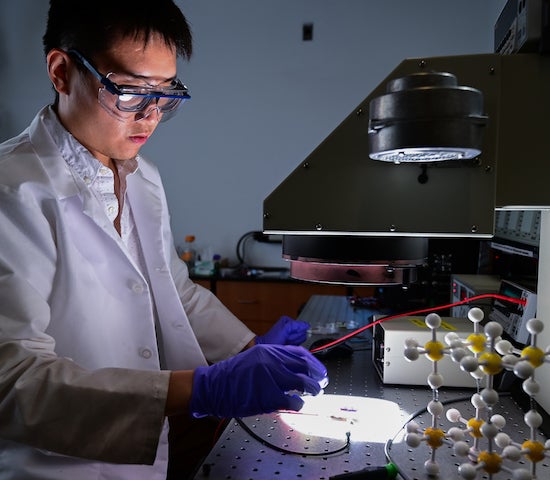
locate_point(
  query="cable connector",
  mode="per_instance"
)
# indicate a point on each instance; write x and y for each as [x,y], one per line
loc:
[387,472]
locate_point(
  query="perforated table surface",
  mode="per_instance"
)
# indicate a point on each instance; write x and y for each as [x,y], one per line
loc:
[311,444]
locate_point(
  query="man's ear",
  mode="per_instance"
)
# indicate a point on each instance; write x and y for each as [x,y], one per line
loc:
[59,68]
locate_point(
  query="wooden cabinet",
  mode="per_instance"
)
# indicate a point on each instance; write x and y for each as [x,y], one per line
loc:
[259,304]
[205,282]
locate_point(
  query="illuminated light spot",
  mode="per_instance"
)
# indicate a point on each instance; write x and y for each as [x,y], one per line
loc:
[476,342]
[434,437]
[534,355]
[475,425]
[535,450]
[491,461]
[434,350]
[491,363]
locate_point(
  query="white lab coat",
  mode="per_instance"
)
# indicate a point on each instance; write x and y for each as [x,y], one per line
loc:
[79,363]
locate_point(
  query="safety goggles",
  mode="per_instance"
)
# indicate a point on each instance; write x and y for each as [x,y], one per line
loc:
[135,102]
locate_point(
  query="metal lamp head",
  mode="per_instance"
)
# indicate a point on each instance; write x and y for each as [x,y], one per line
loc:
[426,117]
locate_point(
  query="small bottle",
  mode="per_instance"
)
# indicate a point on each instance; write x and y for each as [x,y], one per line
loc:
[216,259]
[189,255]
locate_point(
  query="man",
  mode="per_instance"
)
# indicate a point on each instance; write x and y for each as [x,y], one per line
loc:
[102,334]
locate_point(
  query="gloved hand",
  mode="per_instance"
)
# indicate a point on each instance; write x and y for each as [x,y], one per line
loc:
[285,332]
[256,381]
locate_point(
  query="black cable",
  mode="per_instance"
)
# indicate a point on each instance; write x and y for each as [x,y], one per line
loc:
[387,446]
[242,240]
[253,434]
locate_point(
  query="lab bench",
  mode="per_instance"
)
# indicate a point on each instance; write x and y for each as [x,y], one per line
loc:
[313,444]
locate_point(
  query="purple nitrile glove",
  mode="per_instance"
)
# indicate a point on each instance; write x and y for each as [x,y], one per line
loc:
[286,331]
[257,381]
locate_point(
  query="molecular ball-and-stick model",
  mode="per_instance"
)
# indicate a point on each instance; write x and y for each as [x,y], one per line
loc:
[484,355]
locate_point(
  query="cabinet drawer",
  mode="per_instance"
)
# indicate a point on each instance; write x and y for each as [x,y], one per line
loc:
[242,298]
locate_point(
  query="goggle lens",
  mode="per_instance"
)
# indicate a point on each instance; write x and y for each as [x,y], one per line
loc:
[135,103]
[138,100]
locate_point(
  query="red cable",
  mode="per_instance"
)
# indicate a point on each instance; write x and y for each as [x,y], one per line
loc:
[519,301]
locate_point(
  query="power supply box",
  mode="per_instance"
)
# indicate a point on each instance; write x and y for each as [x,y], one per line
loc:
[514,317]
[389,346]
[468,286]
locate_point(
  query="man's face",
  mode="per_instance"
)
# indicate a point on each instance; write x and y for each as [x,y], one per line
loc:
[104,133]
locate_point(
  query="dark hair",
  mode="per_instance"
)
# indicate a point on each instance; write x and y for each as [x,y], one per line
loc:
[92,27]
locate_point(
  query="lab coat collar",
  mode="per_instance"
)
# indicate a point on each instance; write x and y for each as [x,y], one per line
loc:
[63,178]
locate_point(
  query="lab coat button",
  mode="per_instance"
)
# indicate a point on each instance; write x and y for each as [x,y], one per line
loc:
[146,353]
[137,288]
